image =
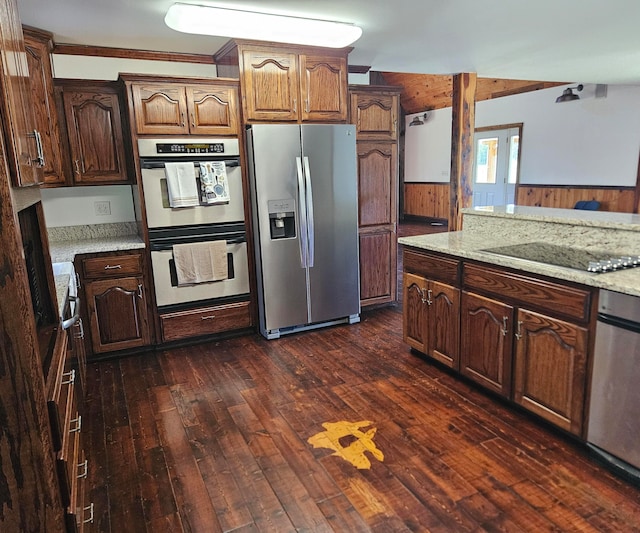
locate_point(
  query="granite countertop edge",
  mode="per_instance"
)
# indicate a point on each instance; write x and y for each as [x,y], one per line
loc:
[469,247]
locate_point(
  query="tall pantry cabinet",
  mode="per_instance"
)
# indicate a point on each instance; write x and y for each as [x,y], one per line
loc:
[374,111]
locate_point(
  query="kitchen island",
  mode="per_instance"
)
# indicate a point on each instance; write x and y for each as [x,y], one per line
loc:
[521,328]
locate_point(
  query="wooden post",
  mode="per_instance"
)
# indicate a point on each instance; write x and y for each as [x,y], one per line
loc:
[463,124]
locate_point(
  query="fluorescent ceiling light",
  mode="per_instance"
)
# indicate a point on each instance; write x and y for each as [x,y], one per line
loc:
[209,20]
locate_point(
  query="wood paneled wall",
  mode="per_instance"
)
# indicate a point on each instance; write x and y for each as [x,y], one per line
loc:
[619,199]
[431,200]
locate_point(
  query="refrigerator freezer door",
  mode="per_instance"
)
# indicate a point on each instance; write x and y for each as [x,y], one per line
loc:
[282,278]
[334,285]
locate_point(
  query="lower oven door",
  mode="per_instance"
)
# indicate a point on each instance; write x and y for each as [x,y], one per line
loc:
[169,293]
[161,215]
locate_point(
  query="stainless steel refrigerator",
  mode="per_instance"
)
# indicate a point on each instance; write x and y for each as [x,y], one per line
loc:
[304,195]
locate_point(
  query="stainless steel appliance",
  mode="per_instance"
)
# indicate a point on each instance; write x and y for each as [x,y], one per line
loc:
[305,209]
[614,409]
[204,222]
[597,261]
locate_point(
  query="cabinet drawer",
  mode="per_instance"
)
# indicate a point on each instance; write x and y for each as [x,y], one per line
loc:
[205,321]
[112,266]
[431,266]
[67,459]
[553,297]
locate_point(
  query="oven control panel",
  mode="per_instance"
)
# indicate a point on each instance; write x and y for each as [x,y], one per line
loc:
[190,148]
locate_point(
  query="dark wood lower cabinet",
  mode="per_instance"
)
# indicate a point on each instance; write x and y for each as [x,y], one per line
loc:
[118,314]
[550,368]
[432,318]
[522,337]
[486,342]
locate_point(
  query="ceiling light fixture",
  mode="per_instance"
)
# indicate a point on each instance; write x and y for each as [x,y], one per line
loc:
[417,121]
[210,20]
[568,95]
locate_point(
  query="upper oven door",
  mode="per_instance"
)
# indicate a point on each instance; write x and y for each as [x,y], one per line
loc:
[160,214]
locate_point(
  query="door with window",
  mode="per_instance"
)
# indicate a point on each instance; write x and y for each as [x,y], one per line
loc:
[497,160]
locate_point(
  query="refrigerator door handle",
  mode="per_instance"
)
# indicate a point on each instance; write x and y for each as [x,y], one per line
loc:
[302,210]
[310,230]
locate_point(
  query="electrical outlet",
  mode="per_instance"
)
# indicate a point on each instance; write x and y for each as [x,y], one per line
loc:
[102,208]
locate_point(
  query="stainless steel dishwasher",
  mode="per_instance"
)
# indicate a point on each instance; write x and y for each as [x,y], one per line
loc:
[614,412]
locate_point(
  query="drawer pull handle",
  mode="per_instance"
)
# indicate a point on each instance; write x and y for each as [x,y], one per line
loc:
[518,331]
[78,423]
[112,267]
[193,120]
[90,509]
[429,294]
[504,330]
[140,295]
[207,317]
[80,334]
[85,469]
[68,378]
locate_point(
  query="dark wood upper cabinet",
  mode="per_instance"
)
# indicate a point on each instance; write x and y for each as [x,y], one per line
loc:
[96,136]
[171,107]
[23,140]
[38,46]
[375,114]
[287,83]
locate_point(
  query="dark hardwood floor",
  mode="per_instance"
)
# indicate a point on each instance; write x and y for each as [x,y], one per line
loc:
[215,437]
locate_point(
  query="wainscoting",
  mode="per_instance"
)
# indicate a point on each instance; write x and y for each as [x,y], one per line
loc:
[431,200]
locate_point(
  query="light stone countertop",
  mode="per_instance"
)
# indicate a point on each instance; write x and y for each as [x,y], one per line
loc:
[573,217]
[62,290]
[469,246]
[65,243]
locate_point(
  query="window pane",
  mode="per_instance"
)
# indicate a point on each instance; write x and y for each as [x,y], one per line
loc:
[486,159]
[514,143]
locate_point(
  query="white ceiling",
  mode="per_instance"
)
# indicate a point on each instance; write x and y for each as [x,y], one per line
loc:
[587,41]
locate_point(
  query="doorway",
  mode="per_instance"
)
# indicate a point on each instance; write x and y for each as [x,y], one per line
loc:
[497,163]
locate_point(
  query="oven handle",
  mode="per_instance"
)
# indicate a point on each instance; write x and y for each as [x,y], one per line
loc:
[149,163]
[166,244]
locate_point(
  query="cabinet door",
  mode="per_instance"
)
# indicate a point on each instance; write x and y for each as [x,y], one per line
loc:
[443,323]
[38,48]
[486,332]
[18,122]
[160,109]
[377,176]
[118,314]
[550,369]
[95,136]
[378,265]
[375,115]
[212,110]
[270,85]
[323,88]
[414,311]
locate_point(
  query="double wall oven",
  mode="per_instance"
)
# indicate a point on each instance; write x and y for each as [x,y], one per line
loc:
[203,221]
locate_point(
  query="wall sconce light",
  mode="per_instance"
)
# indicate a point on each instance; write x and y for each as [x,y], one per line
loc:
[417,121]
[568,94]
[210,20]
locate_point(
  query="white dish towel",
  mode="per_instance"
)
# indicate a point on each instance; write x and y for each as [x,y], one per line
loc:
[181,184]
[201,262]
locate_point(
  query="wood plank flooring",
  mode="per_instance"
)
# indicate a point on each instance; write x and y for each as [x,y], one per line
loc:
[214,437]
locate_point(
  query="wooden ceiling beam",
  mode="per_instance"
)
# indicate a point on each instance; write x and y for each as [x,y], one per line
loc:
[425,92]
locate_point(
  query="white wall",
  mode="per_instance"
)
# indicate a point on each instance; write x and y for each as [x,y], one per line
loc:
[75,206]
[108,68]
[591,141]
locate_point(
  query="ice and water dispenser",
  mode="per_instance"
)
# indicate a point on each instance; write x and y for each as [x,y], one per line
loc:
[282,220]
